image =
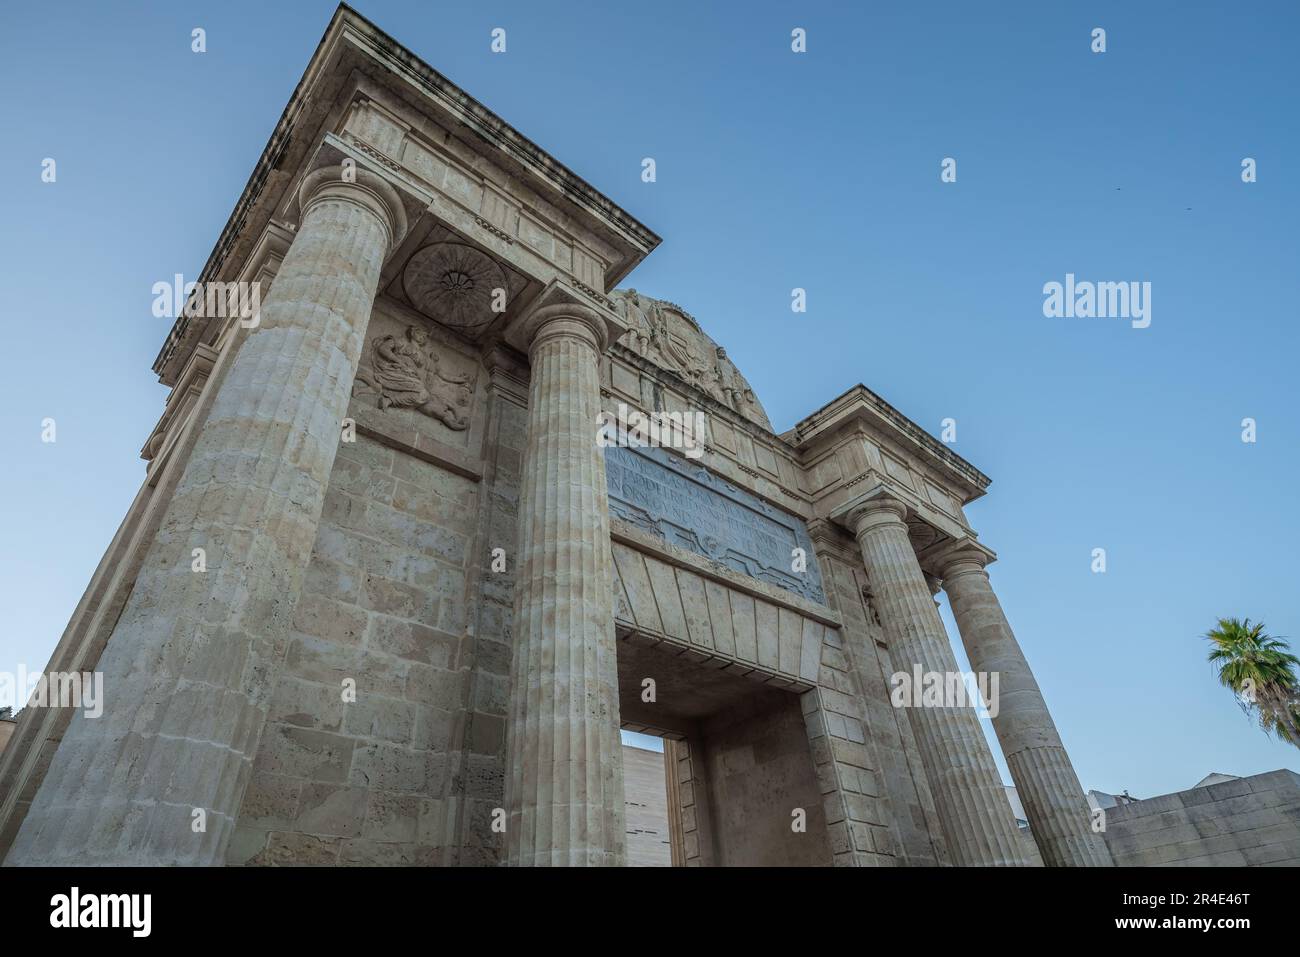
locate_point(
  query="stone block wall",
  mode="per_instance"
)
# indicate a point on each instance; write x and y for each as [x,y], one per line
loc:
[477,786]
[384,606]
[902,785]
[646,800]
[858,819]
[757,771]
[1249,822]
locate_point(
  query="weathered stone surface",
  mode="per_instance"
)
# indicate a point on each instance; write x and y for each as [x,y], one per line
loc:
[394,738]
[691,507]
[191,663]
[1250,822]
[564,790]
[649,843]
[976,817]
[416,646]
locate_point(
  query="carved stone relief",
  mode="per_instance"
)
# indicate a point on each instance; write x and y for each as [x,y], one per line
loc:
[664,334]
[869,600]
[457,285]
[404,372]
[694,509]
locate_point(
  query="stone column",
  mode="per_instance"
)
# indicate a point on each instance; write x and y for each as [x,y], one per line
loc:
[191,663]
[1045,780]
[968,793]
[564,781]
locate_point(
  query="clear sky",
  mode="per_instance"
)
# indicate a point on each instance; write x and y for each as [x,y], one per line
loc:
[774,171]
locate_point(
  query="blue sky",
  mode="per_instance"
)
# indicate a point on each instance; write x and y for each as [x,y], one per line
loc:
[775,170]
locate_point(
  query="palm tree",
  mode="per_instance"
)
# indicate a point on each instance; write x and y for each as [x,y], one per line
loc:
[1260,670]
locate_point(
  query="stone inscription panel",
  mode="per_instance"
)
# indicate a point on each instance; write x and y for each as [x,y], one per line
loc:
[691,507]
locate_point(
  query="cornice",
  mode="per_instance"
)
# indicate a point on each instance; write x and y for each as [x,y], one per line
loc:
[297,134]
[862,407]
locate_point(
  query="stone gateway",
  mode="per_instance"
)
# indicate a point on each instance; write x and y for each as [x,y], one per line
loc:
[350,676]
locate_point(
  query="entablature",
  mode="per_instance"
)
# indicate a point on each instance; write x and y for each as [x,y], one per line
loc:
[364,95]
[859,444]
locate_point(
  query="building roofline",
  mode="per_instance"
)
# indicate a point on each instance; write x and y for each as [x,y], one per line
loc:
[470,111]
[859,400]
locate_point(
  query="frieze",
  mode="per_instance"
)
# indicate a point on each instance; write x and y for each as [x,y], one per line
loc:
[595,294]
[495,230]
[690,507]
[373,153]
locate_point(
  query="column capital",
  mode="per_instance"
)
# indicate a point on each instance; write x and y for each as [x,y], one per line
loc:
[880,508]
[361,187]
[962,558]
[565,319]
[561,310]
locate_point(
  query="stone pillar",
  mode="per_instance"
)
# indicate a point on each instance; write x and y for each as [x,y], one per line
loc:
[191,663]
[1054,802]
[564,782]
[968,794]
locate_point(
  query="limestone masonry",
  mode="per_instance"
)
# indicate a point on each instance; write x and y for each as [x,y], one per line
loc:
[430,597]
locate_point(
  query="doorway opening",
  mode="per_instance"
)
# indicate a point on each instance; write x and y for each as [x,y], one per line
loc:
[739,788]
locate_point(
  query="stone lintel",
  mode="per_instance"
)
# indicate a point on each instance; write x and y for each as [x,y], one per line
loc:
[706,658]
[628,534]
[636,717]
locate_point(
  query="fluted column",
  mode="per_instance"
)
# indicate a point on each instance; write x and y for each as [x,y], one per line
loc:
[968,794]
[190,665]
[564,786]
[1045,780]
